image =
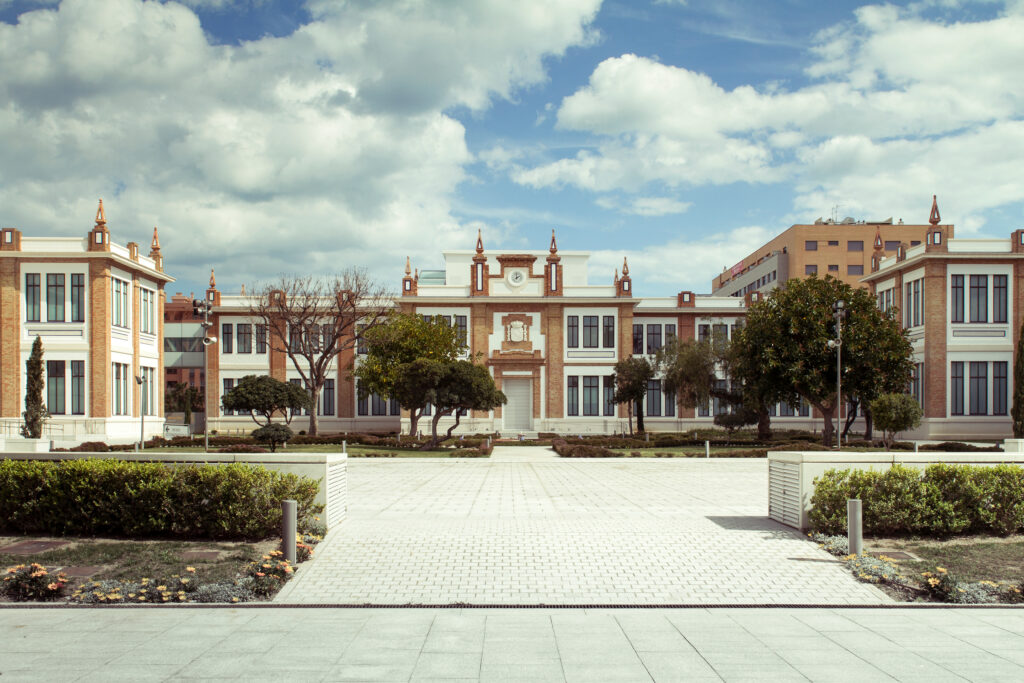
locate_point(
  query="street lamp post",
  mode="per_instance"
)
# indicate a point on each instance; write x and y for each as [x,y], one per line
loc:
[839,312]
[202,307]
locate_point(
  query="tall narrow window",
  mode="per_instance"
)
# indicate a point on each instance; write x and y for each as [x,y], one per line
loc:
[956,297]
[979,388]
[609,395]
[147,313]
[653,338]
[148,404]
[999,298]
[395,409]
[120,396]
[362,348]
[362,402]
[229,384]
[378,405]
[591,404]
[609,331]
[670,333]
[55,297]
[720,406]
[328,397]
[703,333]
[590,331]
[654,398]
[956,388]
[226,337]
[298,382]
[638,338]
[55,387]
[462,328]
[78,387]
[979,298]
[918,318]
[573,331]
[261,338]
[32,297]
[244,337]
[572,395]
[999,386]
[908,316]
[915,382]
[77,298]
[670,403]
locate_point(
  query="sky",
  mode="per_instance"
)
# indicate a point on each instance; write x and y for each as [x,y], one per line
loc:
[265,137]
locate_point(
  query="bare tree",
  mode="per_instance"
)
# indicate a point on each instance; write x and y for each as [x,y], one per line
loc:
[313,319]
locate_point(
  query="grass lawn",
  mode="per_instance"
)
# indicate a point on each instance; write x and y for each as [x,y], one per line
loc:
[354,450]
[976,558]
[133,560]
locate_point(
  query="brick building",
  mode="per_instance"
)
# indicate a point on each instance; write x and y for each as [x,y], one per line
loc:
[99,308]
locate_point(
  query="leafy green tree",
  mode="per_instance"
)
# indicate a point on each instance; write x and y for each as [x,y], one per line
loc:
[263,397]
[35,409]
[183,397]
[895,413]
[273,434]
[400,340]
[631,378]
[1017,411]
[784,350]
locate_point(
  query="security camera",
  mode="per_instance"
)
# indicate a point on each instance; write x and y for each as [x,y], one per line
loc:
[209,340]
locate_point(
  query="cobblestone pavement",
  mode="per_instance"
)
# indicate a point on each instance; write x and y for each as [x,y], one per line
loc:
[528,528]
[306,644]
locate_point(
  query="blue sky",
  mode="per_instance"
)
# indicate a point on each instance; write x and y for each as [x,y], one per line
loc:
[279,137]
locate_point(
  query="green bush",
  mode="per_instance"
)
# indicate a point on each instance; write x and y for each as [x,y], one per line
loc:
[118,498]
[941,500]
[893,413]
[273,435]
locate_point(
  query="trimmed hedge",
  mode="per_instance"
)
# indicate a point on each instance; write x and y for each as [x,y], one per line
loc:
[566,450]
[941,500]
[119,498]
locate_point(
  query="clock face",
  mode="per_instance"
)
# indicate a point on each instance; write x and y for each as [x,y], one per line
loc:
[516,277]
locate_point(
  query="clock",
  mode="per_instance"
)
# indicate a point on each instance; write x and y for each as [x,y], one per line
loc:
[516,277]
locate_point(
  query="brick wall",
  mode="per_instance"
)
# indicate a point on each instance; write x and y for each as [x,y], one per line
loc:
[10,338]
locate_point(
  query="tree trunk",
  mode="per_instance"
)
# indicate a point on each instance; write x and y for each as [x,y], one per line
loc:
[639,417]
[851,416]
[629,411]
[458,416]
[868,424]
[433,431]
[414,419]
[314,397]
[764,425]
[827,429]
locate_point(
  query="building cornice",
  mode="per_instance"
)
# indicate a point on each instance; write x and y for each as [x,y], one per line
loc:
[917,259]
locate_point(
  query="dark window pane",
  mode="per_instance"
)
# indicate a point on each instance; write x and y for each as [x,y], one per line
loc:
[854,269]
[811,245]
[654,398]
[653,338]
[32,297]
[956,385]
[591,406]
[572,395]
[609,332]
[999,298]
[55,387]
[810,270]
[77,298]
[573,327]
[244,337]
[78,387]
[999,387]
[609,396]
[225,337]
[979,298]
[956,295]
[638,338]
[979,388]
[855,245]
[590,331]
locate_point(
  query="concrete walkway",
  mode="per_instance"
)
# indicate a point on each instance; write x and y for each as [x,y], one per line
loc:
[525,527]
[308,644]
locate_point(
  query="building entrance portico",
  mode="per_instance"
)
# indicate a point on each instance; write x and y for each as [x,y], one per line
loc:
[518,412]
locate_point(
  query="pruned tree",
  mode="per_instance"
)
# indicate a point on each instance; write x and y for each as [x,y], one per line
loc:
[632,376]
[313,319]
[183,397]
[895,413]
[401,339]
[35,410]
[263,397]
[274,435]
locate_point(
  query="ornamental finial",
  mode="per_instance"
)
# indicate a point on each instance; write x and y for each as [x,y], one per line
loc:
[408,266]
[554,246]
[101,217]
[479,242]
[625,267]
[934,217]
[213,281]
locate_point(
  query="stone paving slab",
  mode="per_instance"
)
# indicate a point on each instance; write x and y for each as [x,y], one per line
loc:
[528,528]
[404,644]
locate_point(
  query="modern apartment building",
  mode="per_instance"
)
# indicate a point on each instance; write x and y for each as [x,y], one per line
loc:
[841,249]
[962,301]
[98,307]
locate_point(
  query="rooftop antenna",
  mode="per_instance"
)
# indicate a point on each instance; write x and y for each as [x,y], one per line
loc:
[835,213]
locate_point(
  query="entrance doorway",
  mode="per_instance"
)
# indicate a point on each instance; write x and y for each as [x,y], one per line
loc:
[518,412]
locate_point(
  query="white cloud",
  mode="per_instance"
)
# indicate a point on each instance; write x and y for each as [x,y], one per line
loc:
[645,206]
[329,147]
[893,99]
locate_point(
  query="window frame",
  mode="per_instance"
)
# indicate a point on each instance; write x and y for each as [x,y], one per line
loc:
[55,297]
[572,331]
[572,396]
[591,335]
[33,308]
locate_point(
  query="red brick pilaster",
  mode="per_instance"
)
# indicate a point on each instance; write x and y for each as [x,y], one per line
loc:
[10,337]
[99,339]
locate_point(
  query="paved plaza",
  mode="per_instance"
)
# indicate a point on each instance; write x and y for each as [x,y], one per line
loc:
[527,528]
[334,644]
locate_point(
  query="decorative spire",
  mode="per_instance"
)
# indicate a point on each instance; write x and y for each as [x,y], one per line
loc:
[479,242]
[878,238]
[934,218]
[243,289]
[616,275]
[554,246]
[408,266]
[155,244]
[101,218]
[625,267]
[417,276]
[213,281]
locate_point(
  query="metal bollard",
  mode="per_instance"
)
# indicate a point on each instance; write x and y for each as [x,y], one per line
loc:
[647,436]
[289,510]
[854,526]
[707,449]
[915,447]
[344,446]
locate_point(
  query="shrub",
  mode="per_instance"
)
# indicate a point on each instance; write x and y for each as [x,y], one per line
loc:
[944,587]
[225,591]
[894,413]
[269,574]
[242,448]
[565,450]
[273,434]
[118,498]
[32,582]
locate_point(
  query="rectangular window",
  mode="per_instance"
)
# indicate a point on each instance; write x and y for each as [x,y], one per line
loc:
[999,298]
[833,243]
[244,337]
[119,290]
[327,396]
[573,331]
[855,245]
[462,328]
[670,333]
[609,332]
[703,332]
[32,297]
[854,269]
[915,381]
[956,388]
[77,298]
[261,338]
[147,391]
[609,396]
[378,405]
[918,317]
[591,404]
[362,348]
[55,386]
[146,299]
[720,332]
[833,268]
[670,403]
[720,406]
[120,394]
[638,338]
[295,340]
[298,382]
[653,338]
[55,298]
[908,318]
[810,270]
[396,409]
[654,398]
[78,387]
[229,384]
[362,401]
[979,388]
[956,296]
[572,396]
[590,331]
[979,298]
[225,337]
[810,245]
[999,386]
[892,245]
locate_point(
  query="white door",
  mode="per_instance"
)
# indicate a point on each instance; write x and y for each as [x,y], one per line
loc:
[518,412]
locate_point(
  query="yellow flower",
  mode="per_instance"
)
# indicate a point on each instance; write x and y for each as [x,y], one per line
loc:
[53,586]
[190,569]
[940,570]
[234,599]
[933,582]
[161,588]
